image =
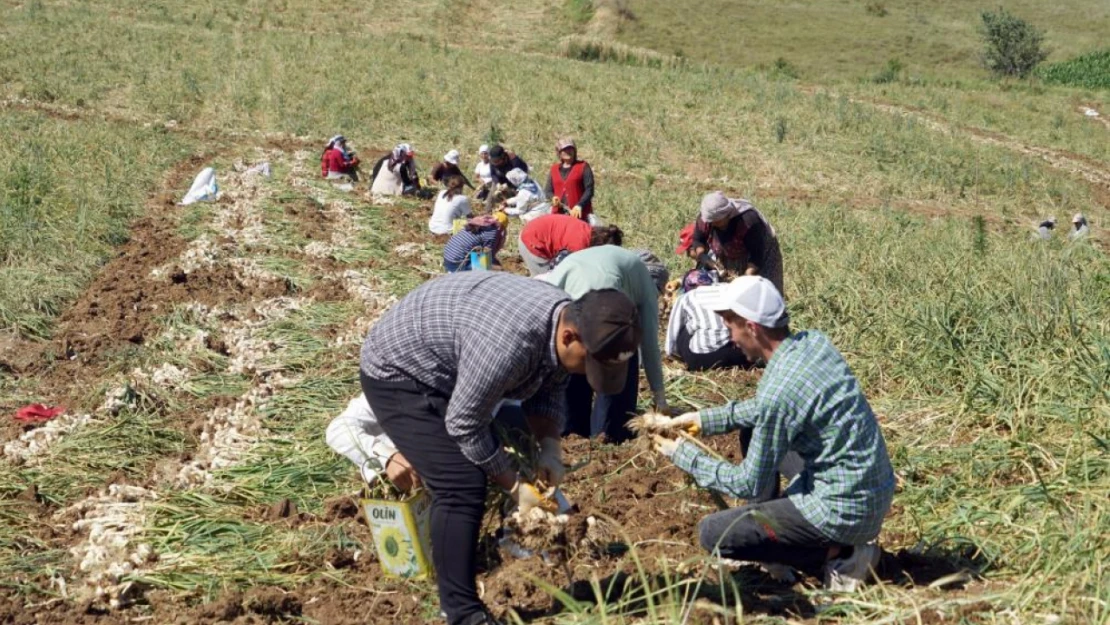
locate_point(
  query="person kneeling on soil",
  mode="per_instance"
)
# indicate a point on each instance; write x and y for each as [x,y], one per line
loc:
[395,173]
[356,435]
[448,167]
[337,162]
[451,204]
[529,201]
[434,366]
[642,277]
[571,181]
[483,233]
[548,237]
[808,420]
[732,235]
[697,336]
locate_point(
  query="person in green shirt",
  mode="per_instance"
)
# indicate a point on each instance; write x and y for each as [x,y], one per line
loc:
[808,405]
[642,277]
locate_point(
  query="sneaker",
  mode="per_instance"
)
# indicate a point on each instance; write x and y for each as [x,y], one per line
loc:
[848,574]
[482,618]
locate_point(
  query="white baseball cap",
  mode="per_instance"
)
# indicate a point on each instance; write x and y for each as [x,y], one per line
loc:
[752,297]
[452,157]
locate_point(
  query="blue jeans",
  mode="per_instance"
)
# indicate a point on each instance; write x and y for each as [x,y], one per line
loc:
[451,267]
[605,414]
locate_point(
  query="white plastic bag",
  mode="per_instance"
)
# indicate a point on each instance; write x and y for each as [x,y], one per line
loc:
[204,188]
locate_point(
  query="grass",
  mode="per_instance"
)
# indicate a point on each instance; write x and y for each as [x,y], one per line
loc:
[987,356]
[68,193]
[1090,71]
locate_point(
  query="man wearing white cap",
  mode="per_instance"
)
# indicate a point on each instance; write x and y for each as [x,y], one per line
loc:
[448,167]
[808,403]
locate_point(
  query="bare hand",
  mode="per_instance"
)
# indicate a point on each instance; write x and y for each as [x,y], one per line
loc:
[576,212]
[401,473]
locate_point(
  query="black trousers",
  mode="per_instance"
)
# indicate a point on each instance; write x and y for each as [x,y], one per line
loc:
[413,417]
[722,358]
[591,415]
[769,528]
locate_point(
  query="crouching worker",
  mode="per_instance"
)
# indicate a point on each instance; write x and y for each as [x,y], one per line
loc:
[809,420]
[356,435]
[437,363]
[482,233]
[338,162]
[697,336]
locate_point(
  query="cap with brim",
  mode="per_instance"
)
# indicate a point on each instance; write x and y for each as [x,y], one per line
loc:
[609,326]
[564,143]
[496,151]
[452,157]
[754,298]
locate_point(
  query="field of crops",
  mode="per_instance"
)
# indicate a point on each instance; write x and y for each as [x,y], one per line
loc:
[201,351]
[1090,71]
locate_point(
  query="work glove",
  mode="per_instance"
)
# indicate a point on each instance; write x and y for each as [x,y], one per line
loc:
[528,497]
[576,212]
[549,466]
[664,445]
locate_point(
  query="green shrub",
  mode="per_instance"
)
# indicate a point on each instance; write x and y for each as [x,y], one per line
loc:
[1090,71]
[891,73]
[1013,46]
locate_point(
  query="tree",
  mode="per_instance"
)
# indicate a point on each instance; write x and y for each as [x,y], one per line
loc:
[1013,46]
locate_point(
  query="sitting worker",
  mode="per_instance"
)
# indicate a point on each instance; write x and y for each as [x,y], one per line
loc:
[697,336]
[451,204]
[395,173]
[435,365]
[356,435]
[529,201]
[1045,229]
[449,166]
[501,162]
[612,267]
[484,233]
[731,235]
[807,403]
[339,162]
[1079,227]
[572,181]
[546,237]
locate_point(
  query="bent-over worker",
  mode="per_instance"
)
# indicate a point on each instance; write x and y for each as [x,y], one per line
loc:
[434,366]
[736,237]
[612,267]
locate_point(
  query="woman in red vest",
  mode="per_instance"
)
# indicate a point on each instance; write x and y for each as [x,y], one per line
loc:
[571,183]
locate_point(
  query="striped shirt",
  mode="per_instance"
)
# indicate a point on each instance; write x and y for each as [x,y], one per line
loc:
[808,401]
[477,337]
[707,330]
[460,244]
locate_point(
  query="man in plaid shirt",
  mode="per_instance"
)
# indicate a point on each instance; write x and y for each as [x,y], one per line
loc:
[435,365]
[809,420]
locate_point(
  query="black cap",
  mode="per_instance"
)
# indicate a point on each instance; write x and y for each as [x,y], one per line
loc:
[496,151]
[609,326]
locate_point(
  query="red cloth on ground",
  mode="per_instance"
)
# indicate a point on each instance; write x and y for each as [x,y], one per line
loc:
[547,235]
[685,240]
[37,413]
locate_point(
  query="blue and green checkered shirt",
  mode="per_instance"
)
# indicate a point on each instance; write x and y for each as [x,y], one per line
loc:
[808,401]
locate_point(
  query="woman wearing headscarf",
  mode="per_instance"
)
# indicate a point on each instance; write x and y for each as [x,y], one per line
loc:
[337,162]
[395,173]
[571,181]
[732,235]
[529,201]
[484,232]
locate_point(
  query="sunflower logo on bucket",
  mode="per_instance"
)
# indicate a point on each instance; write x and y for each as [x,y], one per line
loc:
[396,552]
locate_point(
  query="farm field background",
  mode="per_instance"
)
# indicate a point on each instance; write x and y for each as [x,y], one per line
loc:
[202,350]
